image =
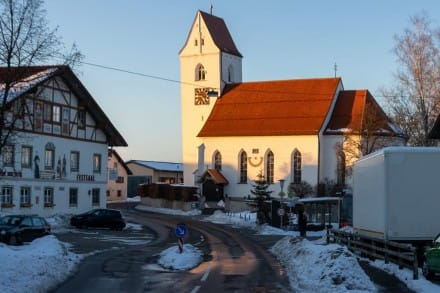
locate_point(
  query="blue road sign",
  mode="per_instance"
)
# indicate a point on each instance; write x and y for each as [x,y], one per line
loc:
[181,230]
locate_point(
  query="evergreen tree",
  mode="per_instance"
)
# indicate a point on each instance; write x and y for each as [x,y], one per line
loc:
[261,192]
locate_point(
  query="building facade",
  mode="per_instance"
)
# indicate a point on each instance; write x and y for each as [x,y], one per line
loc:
[118,173]
[293,131]
[156,172]
[55,161]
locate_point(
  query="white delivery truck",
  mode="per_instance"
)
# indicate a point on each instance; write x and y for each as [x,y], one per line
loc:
[396,194]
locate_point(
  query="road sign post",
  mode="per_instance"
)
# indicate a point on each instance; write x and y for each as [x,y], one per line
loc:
[181,231]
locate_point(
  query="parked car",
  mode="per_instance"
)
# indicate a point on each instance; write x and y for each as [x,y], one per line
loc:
[99,218]
[16,229]
[431,265]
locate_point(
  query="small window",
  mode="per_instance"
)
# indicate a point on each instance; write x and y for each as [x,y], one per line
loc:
[81,119]
[47,112]
[97,163]
[56,114]
[6,194]
[73,197]
[74,161]
[269,167]
[196,42]
[200,72]
[296,167]
[217,161]
[25,195]
[95,196]
[48,196]
[49,156]
[243,167]
[8,155]
[26,157]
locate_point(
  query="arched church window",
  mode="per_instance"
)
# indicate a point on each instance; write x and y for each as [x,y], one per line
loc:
[269,167]
[230,73]
[200,72]
[243,167]
[296,167]
[341,168]
[217,161]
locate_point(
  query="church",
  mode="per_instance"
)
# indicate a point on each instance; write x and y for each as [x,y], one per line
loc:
[293,132]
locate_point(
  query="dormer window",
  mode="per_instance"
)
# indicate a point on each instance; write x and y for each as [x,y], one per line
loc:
[200,72]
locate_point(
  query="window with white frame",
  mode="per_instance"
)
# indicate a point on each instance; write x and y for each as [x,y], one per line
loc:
[25,195]
[74,161]
[49,156]
[6,195]
[56,114]
[97,163]
[26,157]
[8,155]
[48,196]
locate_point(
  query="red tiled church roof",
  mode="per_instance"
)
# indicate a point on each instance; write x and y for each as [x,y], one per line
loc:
[220,34]
[287,107]
[356,110]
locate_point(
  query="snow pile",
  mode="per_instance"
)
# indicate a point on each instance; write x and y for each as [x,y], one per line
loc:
[321,268]
[35,267]
[171,258]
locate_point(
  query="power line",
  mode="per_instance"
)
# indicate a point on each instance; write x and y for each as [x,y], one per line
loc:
[137,73]
[189,83]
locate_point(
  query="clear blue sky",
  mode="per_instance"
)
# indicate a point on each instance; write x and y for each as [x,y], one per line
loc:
[278,39]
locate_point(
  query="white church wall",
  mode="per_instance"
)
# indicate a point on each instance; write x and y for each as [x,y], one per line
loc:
[282,148]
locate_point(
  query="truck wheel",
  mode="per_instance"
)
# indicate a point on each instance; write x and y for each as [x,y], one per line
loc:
[426,271]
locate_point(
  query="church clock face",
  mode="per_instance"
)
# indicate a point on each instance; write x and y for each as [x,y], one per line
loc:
[201,96]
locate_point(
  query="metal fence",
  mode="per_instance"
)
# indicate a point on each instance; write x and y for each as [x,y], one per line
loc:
[404,255]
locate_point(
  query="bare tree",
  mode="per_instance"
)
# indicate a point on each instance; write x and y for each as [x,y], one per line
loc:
[414,103]
[374,132]
[25,40]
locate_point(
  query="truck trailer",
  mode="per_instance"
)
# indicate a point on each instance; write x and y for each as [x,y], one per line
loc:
[396,194]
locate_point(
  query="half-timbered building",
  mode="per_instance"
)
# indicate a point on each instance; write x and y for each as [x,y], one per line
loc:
[56,157]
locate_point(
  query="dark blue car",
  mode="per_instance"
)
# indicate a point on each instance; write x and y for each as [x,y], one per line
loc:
[99,218]
[16,229]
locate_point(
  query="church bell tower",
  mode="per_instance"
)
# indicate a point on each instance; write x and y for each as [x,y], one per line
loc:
[209,60]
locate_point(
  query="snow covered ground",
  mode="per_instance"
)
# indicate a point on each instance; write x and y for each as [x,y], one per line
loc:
[311,266]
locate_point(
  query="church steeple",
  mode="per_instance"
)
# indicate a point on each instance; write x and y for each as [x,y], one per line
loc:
[209,60]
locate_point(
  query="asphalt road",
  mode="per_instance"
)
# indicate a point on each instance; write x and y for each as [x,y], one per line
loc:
[235,260]
[232,262]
